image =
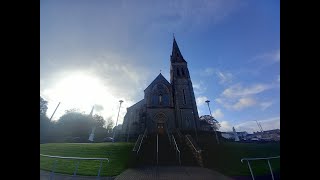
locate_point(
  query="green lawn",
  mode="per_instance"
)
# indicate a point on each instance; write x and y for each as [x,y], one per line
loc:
[119,155]
[226,157]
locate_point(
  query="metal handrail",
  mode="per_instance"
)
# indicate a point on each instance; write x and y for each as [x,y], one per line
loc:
[135,145]
[157,149]
[168,135]
[142,140]
[177,149]
[198,151]
[179,133]
[77,165]
[254,159]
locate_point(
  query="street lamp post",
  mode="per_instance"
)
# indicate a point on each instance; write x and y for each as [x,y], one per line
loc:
[54,111]
[207,101]
[116,121]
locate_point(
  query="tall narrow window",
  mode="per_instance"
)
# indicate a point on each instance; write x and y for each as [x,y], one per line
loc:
[182,71]
[178,72]
[160,99]
[184,97]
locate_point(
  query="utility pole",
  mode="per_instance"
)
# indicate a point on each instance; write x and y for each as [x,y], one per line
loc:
[54,111]
[114,132]
[207,101]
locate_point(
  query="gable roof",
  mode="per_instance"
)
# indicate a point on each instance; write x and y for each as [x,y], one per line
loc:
[159,78]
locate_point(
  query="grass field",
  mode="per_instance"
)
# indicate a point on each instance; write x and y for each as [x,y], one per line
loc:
[226,157]
[118,154]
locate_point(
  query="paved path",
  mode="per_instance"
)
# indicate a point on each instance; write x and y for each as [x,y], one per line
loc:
[151,173]
[170,172]
[45,175]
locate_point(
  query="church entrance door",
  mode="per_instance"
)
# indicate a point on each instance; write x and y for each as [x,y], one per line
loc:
[160,127]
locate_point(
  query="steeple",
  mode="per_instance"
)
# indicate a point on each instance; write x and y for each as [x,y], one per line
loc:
[176,55]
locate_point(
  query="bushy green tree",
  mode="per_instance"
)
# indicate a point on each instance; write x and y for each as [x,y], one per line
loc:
[75,124]
[44,120]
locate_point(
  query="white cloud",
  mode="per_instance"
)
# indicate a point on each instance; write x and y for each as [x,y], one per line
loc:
[224,77]
[98,107]
[207,72]
[217,114]
[239,91]
[199,88]
[104,82]
[236,103]
[273,56]
[265,105]
[186,15]
[267,124]
[201,100]
[225,126]
[244,103]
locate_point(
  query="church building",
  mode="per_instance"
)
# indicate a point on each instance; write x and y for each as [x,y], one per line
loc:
[166,105]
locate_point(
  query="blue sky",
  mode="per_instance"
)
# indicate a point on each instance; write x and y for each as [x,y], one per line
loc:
[97,52]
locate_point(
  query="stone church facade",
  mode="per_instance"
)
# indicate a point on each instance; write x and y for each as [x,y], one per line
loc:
[166,105]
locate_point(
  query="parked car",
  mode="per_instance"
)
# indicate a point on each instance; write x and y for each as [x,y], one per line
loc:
[108,139]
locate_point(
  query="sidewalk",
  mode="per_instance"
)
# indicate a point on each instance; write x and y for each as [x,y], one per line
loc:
[170,173]
[45,175]
[151,172]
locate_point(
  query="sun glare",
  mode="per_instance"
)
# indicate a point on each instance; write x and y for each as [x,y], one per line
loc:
[82,90]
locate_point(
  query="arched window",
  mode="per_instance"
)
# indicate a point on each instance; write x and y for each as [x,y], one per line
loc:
[160,99]
[178,72]
[184,97]
[160,95]
[182,70]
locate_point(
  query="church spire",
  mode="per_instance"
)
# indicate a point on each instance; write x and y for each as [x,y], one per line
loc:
[176,55]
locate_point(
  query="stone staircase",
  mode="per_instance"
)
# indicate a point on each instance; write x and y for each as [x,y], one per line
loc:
[147,154]
[190,153]
[148,151]
[188,157]
[196,151]
[167,154]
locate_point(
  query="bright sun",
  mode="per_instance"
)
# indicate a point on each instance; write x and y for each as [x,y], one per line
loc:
[82,90]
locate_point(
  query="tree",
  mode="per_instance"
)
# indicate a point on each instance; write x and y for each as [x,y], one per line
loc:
[75,124]
[44,120]
[43,106]
[100,122]
[211,120]
[109,124]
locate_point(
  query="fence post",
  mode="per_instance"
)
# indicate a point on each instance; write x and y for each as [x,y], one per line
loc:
[270,169]
[75,171]
[100,168]
[250,170]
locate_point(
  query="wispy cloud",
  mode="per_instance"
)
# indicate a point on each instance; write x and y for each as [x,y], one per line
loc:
[225,126]
[199,88]
[273,56]
[238,97]
[217,114]
[207,72]
[265,105]
[223,77]
[238,90]
[201,100]
[236,103]
[243,103]
[267,124]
